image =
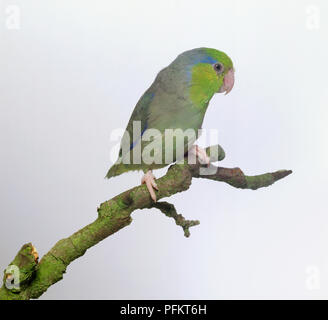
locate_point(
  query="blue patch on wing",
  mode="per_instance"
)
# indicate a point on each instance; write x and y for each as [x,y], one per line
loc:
[132,145]
[147,98]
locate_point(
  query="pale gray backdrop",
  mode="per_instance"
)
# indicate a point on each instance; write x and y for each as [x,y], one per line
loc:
[72,71]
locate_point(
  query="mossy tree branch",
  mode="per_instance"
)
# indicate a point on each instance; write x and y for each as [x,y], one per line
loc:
[115,214]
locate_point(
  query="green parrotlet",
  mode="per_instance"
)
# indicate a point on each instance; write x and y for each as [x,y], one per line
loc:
[177,99]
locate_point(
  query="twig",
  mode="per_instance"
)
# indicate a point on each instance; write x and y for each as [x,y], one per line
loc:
[169,210]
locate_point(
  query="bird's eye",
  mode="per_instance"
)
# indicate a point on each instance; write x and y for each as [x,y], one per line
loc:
[219,67]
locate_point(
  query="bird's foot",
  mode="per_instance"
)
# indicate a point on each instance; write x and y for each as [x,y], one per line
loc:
[149,180]
[201,154]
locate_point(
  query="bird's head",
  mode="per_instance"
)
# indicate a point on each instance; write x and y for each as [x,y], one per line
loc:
[224,70]
[208,71]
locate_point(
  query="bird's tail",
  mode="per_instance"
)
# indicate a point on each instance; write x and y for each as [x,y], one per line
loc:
[118,168]
[115,170]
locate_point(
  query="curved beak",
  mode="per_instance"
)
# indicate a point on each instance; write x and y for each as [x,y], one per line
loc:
[228,82]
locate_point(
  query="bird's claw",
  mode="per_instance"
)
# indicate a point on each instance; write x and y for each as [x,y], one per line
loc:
[201,154]
[149,180]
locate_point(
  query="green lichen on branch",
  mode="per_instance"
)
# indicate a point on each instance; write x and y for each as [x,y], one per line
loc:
[115,214]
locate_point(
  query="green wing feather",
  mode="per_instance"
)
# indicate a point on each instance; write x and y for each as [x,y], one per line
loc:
[140,113]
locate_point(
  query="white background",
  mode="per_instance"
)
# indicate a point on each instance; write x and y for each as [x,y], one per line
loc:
[72,73]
